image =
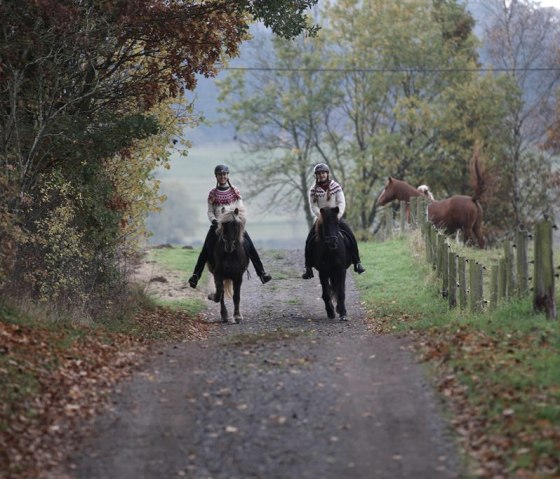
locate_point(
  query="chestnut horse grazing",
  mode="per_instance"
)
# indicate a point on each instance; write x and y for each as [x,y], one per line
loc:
[402,191]
[459,212]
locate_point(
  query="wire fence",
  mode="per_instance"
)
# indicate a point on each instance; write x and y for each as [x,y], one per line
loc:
[524,267]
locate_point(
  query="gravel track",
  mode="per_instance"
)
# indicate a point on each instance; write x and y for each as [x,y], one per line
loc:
[287,393]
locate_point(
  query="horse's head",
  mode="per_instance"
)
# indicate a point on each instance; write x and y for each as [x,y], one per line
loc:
[329,226]
[231,226]
[399,190]
[389,193]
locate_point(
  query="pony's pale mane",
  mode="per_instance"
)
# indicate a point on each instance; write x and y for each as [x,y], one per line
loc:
[230,216]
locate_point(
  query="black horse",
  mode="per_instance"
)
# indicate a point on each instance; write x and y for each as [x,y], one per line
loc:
[229,261]
[331,257]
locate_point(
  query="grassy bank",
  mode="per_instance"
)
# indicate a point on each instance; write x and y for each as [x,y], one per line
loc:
[499,372]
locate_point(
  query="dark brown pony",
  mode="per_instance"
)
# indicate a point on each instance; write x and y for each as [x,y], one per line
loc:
[331,257]
[402,191]
[228,262]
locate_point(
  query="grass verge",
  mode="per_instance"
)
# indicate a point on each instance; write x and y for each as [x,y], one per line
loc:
[499,372]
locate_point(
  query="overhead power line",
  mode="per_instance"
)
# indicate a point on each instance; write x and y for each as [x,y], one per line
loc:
[392,70]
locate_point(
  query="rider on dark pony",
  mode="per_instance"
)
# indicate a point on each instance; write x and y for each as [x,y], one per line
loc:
[224,194]
[327,192]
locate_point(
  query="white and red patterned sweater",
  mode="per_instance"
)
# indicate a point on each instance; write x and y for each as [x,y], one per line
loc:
[328,195]
[230,198]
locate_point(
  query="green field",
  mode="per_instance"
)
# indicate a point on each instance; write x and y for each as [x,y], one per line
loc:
[195,175]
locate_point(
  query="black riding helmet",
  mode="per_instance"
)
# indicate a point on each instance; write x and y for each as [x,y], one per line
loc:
[221,169]
[320,168]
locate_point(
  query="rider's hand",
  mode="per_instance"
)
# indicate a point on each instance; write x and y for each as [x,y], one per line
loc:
[214,221]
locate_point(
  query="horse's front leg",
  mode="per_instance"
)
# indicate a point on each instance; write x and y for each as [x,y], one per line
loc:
[340,288]
[223,310]
[219,293]
[324,278]
[237,316]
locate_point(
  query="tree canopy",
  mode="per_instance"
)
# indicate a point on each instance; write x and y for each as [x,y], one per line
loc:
[398,89]
[91,101]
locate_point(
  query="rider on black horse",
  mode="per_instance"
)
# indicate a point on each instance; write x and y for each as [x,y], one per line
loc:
[224,194]
[326,192]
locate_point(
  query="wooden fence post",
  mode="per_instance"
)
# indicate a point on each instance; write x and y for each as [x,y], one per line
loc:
[502,279]
[493,287]
[440,251]
[413,212]
[521,239]
[510,270]
[421,211]
[476,287]
[543,277]
[434,234]
[388,222]
[462,280]
[427,234]
[444,269]
[452,279]
[402,216]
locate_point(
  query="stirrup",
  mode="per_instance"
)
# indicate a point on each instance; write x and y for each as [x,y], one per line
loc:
[193,280]
[308,274]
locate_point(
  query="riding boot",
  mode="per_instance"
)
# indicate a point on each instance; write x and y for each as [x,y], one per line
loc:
[308,273]
[359,268]
[255,259]
[198,269]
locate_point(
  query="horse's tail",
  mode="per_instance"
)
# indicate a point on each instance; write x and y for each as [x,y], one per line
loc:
[228,288]
[477,225]
[477,178]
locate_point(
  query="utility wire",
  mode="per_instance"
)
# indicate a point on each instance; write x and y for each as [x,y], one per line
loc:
[392,70]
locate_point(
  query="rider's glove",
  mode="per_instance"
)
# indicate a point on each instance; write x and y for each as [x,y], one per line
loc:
[214,221]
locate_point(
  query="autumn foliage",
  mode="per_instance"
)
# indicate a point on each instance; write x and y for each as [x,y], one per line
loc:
[91,101]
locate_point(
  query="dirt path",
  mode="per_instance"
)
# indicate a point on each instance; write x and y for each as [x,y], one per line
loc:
[285,394]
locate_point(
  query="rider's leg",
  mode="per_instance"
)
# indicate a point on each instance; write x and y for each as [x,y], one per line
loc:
[209,242]
[308,273]
[354,251]
[255,258]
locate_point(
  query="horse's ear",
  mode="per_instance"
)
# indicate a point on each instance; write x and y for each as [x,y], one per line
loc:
[389,180]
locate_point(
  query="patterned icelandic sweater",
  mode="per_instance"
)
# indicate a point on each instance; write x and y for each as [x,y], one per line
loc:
[230,198]
[320,197]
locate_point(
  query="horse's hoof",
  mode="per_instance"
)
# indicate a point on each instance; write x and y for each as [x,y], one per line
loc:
[344,318]
[331,315]
[238,318]
[224,320]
